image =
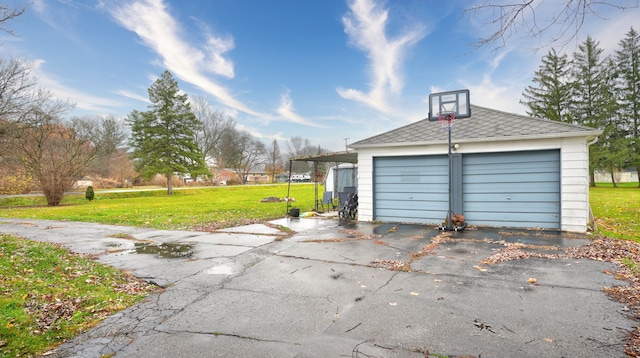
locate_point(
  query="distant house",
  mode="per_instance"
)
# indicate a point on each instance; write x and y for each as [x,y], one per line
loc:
[507,170]
[625,176]
[225,176]
[282,177]
[258,178]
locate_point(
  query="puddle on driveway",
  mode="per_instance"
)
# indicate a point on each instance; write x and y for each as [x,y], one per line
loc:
[219,270]
[166,250]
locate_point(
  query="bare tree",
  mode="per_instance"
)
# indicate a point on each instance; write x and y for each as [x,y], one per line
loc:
[241,152]
[8,13]
[53,153]
[17,88]
[275,163]
[214,126]
[301,147]
[121,168]
[509,17]
[108,134]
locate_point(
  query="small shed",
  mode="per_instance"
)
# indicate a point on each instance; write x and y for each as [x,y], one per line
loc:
[507,170]
[340,176]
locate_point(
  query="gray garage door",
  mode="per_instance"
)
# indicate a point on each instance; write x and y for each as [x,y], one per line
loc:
[519,189]
[410,189]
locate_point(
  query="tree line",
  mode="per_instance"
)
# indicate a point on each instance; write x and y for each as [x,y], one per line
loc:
[40,148]
[597,91]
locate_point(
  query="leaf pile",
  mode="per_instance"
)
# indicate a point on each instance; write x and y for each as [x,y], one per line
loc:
[393,265]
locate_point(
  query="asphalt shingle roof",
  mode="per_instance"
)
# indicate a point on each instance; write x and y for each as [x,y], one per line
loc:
[485,124]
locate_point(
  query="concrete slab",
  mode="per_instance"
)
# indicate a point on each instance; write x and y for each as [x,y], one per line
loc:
[240,239]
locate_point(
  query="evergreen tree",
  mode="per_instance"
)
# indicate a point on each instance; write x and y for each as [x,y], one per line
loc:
[589,76]
[550,94]
[628,65]
[592,102]
[163,138]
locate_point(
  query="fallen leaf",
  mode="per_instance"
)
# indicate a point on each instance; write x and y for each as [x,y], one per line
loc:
[548,340]
[532,280]
[479,268]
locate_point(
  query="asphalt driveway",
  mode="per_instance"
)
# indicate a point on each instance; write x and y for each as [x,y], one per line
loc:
[359,290]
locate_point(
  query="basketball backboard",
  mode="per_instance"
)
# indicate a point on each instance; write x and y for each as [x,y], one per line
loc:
[451,101]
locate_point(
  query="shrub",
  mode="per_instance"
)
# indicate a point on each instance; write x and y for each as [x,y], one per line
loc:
[89,194]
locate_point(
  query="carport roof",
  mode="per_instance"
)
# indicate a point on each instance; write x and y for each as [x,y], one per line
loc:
[485,124]
[337,157]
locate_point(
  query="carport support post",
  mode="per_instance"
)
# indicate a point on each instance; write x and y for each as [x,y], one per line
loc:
[289,187]
[315,185]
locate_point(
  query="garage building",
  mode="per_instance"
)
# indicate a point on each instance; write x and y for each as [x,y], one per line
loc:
[508,170]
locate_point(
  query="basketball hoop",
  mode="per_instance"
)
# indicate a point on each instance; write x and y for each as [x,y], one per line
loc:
[446,119]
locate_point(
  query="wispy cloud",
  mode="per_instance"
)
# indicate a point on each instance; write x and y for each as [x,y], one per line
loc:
[61,21]
[288,113]
[366,26]
[152,22]
[82,100]
[490,93]
[132,95]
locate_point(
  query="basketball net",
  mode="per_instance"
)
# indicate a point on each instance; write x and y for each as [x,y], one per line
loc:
[446,119]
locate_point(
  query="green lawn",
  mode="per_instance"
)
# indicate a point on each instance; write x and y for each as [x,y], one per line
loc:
[617,210]
[50,295]
[212,207]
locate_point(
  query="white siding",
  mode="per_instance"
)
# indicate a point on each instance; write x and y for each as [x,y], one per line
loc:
[574,166]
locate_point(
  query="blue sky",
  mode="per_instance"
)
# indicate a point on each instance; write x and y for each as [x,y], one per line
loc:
[320,69]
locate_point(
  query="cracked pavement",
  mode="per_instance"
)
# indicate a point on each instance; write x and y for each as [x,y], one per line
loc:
[258,291]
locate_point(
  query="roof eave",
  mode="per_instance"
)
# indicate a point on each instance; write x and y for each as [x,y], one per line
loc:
[588,134]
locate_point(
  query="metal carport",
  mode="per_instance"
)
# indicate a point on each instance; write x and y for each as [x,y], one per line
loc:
[336,157]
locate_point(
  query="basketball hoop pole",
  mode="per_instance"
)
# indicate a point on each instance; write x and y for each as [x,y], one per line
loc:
[446,121]
[449,213]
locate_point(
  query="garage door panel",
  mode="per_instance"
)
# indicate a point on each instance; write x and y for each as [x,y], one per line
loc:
[506,170]
[417,179]
[545,187]
[504,199]
[423,217]
[523,207]
[411,196]
[507,158]
[420,206]
[411,189]
[526,221]
[506,178]
[520,189]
